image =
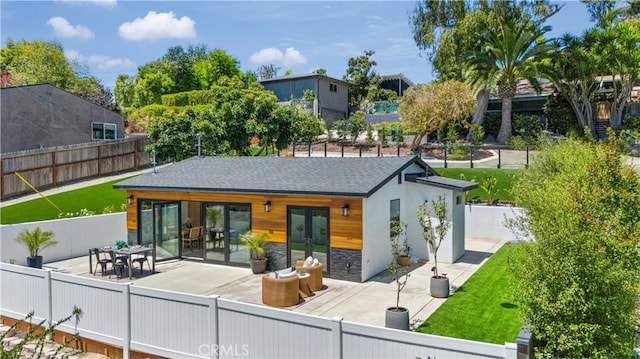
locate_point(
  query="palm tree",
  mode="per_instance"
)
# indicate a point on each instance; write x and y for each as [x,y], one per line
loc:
[515,51]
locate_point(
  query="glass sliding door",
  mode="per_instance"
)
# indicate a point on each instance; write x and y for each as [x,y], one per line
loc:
[159,228]
[214,226]
[308,234]
[224,224]
[167,230]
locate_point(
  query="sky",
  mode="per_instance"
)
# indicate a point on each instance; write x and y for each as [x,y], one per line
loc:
[111,37]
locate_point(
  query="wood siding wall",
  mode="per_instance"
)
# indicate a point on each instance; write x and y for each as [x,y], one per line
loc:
[55,166]
[345,232]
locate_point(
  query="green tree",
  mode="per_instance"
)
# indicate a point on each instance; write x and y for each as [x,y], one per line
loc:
[448,30]
[576,278]
[515,51]
[360,75]
[267,72]
[427,108]
[38,62]
[214,66]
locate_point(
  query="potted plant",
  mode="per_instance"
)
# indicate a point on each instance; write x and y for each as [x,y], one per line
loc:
[399,245]
[255,244]
[397,317]
[213,215]
[434,236]
[36,240]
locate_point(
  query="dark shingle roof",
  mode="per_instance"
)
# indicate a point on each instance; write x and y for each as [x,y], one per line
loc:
[340,176]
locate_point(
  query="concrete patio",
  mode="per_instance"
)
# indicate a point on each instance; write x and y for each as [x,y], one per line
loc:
[356,302]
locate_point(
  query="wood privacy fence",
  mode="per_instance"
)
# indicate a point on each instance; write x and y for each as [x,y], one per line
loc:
[59,165]
[180,325]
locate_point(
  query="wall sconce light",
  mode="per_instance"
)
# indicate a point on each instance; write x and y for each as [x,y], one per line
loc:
[267,206]
[345,210]
[129,200]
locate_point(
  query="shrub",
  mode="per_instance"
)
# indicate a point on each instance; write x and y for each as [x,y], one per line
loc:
[559,114]
[491,123]
[517,143]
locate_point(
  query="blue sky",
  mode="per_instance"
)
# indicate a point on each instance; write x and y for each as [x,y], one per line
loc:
[111,37]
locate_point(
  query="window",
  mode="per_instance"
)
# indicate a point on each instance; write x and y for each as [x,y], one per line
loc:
[333,87]
[103,131]
[394,213]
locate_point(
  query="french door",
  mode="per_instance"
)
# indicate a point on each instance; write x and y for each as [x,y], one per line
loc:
[224,223]
[308,234]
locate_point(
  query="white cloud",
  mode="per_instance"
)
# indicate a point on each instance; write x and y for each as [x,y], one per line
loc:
[293,57]
[156,26]
[271,55]
[266,56]
[62,27]
[103,3]
[100,63]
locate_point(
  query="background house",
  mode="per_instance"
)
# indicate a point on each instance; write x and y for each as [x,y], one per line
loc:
[336,209]
[331,96]
[41,116]
[387,111]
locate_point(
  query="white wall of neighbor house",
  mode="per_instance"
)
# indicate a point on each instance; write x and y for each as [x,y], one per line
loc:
[75,236]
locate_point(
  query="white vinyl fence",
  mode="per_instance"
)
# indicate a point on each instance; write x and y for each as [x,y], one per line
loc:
[182,325]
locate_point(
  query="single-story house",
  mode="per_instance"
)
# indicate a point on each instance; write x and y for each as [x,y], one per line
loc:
[335,209]
[42,116]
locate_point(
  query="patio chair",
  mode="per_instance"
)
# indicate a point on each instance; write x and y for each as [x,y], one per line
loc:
[280,292]
[194,236]
[117,264]
[103,262]
[141,258]
[315,282]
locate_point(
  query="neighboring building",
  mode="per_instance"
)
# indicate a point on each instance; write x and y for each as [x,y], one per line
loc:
[337,209]
[387,111]
[331,102]
[397,83]
[41,116]
[526,100]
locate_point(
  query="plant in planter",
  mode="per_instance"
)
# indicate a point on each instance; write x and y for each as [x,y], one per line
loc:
[36,240]
[213,215]
[434,236]
[399,246]
[255,244]
[398,317]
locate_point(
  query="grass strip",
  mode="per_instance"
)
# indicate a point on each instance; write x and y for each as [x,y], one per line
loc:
[506,178]
[481,308]
[93,198]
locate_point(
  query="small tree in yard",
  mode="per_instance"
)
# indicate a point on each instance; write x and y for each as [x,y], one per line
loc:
[434,235]
[576,282]
[399,273]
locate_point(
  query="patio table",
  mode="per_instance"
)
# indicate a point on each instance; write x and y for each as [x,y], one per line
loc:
[129,252]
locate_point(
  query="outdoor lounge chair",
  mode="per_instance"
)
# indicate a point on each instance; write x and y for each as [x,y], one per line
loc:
[280,292]
[315,282]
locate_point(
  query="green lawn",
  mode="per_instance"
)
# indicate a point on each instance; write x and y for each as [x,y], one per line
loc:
[93,198]
[480,310]
[505,180]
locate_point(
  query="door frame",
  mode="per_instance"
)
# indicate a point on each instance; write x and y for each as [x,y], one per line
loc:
[153,204]
[227,231]
[308,219]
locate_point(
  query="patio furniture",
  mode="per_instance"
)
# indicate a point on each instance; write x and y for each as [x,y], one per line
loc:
[102,261]
[194,236]
[117,264]
[315,282]
[141,258]
[280,292]
[303,285]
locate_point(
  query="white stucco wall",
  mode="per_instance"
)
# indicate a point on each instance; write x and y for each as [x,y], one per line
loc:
[376,249]
[452,247]
[488,222]
[75,236]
